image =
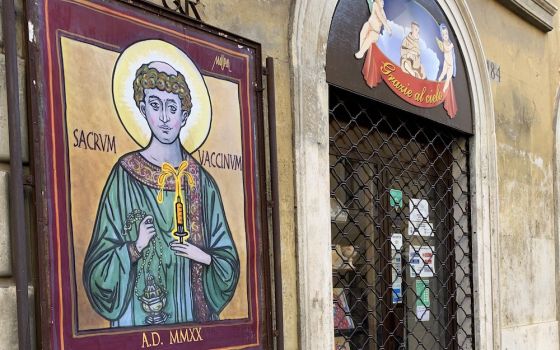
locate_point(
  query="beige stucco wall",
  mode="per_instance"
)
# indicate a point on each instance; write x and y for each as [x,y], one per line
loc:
[524,102]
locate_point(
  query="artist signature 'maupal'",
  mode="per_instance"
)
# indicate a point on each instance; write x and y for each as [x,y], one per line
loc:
[222,62]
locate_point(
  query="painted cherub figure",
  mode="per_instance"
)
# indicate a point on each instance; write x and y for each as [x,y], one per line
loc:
[448,69]
[371,30]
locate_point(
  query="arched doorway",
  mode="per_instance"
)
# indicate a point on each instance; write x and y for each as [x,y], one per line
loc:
[311,23]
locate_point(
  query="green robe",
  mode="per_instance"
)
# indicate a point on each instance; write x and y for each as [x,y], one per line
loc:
[114,282]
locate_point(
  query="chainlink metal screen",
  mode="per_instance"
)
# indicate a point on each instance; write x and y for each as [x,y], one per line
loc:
[400,226]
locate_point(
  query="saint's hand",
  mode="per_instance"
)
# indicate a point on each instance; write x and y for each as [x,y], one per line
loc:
[146,231]
[192,252]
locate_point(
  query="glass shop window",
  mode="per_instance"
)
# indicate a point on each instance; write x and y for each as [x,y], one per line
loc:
[401,229]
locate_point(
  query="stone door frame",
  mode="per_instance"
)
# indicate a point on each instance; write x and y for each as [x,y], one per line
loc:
[310,25]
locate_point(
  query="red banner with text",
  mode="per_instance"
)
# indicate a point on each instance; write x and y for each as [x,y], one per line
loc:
[418,92]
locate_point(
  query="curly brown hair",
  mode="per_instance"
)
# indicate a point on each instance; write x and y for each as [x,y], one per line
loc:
[150,78]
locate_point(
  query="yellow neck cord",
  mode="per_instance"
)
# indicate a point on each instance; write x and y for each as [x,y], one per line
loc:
[168,170]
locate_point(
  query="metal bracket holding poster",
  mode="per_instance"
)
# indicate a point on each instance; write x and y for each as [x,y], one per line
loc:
[17,207]
[150,179]
[184,7]
[274,203]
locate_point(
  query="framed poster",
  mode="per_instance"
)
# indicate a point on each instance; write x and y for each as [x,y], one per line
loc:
[151,152]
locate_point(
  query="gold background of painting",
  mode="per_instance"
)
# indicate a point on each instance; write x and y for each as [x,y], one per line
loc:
[89,107]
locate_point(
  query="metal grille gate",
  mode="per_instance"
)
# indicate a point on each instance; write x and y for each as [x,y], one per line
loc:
[400,225]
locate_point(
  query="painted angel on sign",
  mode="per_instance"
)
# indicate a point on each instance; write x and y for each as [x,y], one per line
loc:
[369,35]
[448,70]
[371,30]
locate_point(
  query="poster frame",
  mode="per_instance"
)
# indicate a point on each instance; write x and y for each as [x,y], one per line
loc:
[37,91]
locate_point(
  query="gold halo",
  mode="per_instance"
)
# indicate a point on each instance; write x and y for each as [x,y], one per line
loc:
[197,127]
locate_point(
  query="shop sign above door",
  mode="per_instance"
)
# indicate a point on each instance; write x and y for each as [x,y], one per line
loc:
[403,53]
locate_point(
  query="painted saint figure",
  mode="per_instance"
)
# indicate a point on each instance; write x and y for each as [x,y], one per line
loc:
[372,28]
[133,256]
[410,53]
[448,66]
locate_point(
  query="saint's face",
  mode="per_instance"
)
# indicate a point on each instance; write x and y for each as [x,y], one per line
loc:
[415,31]
[163,112]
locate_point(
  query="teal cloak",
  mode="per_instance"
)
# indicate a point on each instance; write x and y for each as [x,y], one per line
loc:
[114,279]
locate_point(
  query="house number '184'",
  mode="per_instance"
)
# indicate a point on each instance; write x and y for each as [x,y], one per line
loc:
[494,71]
